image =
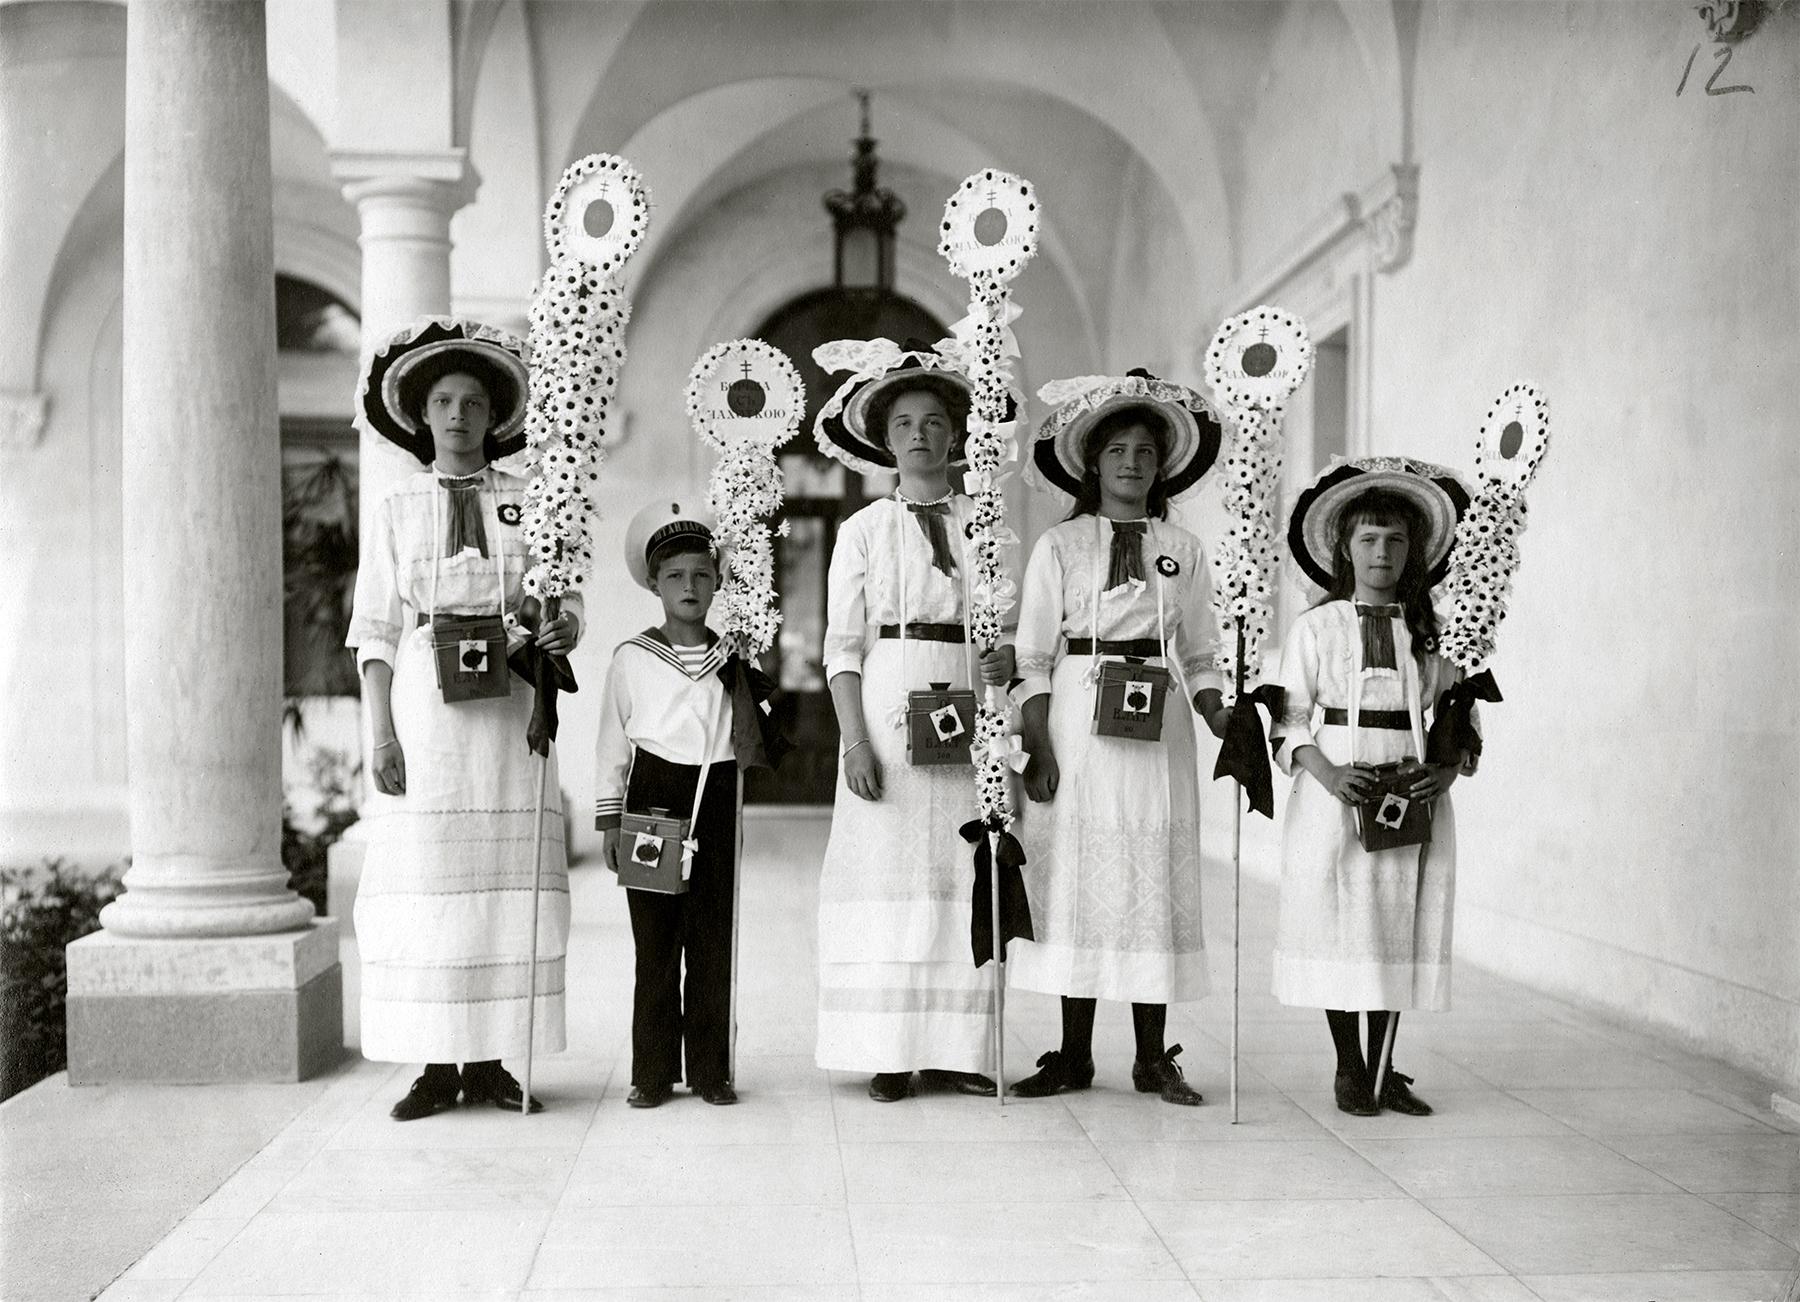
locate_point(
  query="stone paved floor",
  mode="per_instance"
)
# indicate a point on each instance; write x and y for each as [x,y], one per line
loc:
[1568,1160]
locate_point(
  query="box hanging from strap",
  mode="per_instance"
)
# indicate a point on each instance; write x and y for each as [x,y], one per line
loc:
[1388,818]
[940,724]
[652,852]
[1128,699]
[470,652]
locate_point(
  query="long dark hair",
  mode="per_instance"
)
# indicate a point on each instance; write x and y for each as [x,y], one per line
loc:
[1385,508]
[1109,427]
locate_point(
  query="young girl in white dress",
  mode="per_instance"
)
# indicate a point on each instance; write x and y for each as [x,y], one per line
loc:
[898,988]
[1113,844]
[1363,931]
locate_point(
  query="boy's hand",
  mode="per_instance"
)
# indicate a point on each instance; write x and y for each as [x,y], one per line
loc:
[610,850]
[862,771]
[997,666]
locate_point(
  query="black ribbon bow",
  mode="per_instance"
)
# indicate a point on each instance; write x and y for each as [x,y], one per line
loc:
[1127,560]
[1015,905]
[1244,751]
[464,527]
[931,517]
[756,740]
[1378,635]
[1453,726]
[547,674]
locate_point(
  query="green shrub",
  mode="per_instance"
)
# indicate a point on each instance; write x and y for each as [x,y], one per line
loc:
[44,909]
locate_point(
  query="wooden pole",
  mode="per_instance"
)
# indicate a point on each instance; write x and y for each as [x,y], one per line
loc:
[1387,1054]
[537,868]
[999,966]
[737,873]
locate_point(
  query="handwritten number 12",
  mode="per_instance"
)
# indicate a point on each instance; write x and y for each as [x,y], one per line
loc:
[1723,54]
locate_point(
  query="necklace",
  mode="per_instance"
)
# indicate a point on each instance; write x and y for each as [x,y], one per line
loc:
[459,480]
[904,500]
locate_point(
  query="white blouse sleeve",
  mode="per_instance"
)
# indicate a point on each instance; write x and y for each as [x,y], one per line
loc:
[846,603]
[1300,685]
[612,757]
[1040,621]
[376,611]
[1197,635]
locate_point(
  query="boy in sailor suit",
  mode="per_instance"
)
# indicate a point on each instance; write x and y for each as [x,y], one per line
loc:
[670,710]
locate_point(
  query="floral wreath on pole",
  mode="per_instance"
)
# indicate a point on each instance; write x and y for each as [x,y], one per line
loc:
[989,234]
[1254,364]
[745,400]
[579,310]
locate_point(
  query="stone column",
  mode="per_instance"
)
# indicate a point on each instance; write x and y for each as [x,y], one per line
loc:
[209,967]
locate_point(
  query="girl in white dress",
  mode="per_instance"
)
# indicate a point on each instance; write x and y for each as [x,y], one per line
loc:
[443,910]
[898,988]
[1363,931]
[1113,848]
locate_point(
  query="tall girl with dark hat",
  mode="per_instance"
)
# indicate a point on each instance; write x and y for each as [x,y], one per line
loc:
[898,991]
[1113,842]
[443,910]
[1364,931]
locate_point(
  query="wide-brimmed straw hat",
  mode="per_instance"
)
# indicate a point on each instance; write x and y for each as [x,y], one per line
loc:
[1439,494]
[391,397]
[661,522]
[879,366]
[1059,456]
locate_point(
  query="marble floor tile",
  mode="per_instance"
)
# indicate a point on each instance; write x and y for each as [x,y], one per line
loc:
[667,1175]
[184,1251]
[1599,1233]
[692,1293]
[410,1179]
[1313,1238]
[1458,1112]
[1463,1288]
[126,1289]
[1733,1163]
[1311,1072]
[1777,1214]
[1641,1111]
[1179,1171]
[906,1243]
[641,1247]
[1580,1066]
[1452,1166]
[1133,1290]
[373,1254]
[979,1171]
[1666,1286]
[947,1118]
[1117,1115]
[688,1119]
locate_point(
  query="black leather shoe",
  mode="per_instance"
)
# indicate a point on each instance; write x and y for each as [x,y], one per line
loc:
[489,1082]
[720,1095]
[1163,1077]
[649,1096]
[1396,1096]
[1055,1073]
[963,1082]
[434,1091]
[890,1086]
[1355,1095]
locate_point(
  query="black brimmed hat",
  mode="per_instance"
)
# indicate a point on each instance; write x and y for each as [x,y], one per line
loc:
[1059,456]
[1439,494]
[391,398]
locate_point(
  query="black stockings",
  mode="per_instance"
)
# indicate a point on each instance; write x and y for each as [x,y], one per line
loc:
[1350,1060]
[1149,1023]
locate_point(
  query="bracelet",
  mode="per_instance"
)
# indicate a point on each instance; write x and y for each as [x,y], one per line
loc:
[853,745]
[383,745]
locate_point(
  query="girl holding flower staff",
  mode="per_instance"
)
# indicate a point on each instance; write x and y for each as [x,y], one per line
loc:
[897,992]
[1113,852]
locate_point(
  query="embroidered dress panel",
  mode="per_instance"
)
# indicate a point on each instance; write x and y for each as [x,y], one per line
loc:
[1113,861]
[444,907]
[1358,930]
[898,989]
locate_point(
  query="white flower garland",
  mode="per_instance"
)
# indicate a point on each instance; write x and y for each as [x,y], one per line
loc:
[1254,364]
[1513,439]
[987,349]
[745,400]
[579,310]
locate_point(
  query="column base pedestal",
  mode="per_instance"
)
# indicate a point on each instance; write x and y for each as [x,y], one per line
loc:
[205,1010]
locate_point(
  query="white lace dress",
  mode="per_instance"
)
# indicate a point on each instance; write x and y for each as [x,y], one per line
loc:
[1113,862]
[443,911]
[1357,930]
[898,988]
